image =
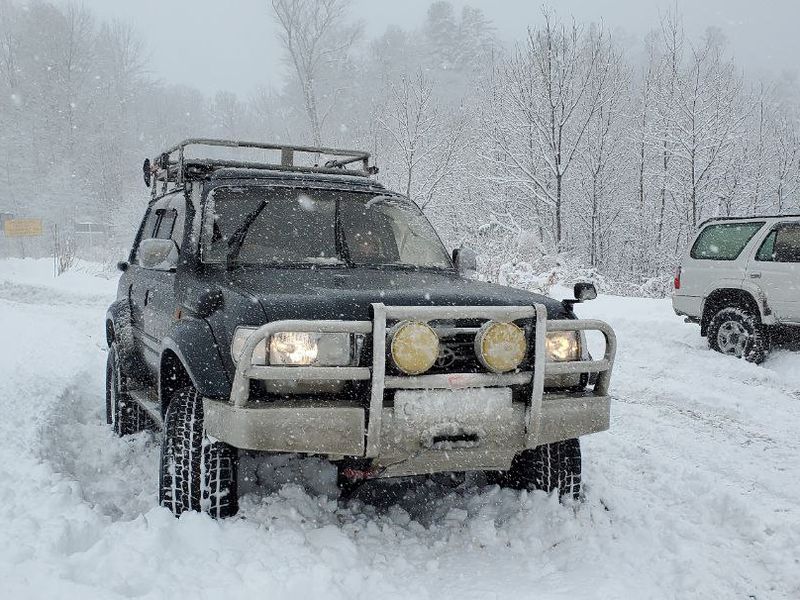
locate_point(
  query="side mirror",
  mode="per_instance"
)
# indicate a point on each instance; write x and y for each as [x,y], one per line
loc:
[584,292]
[147,172]
[158,254]
[123,265]
[465,260]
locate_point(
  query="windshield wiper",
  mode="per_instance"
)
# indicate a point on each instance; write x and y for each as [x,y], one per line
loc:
[401,266]
[236,240]
[338,231]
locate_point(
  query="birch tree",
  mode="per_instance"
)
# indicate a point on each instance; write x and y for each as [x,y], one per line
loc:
[316,36]
[421,139]
[547,94]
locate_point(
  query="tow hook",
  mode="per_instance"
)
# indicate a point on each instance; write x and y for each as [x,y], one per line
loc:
[353,474]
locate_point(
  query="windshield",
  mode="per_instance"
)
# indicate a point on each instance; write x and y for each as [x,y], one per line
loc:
[289,226]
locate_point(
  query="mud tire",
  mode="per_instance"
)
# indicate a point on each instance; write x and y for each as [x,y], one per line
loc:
[197,473]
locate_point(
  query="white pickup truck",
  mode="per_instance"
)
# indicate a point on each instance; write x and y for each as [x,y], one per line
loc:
[740,280]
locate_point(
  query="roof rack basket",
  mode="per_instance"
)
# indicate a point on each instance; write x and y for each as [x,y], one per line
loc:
[174,167]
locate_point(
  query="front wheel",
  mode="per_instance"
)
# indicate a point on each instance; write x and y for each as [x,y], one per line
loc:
[197,473]
[738,332]
[549,467]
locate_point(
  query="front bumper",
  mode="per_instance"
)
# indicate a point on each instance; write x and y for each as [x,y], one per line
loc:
[339,431]
[396,445]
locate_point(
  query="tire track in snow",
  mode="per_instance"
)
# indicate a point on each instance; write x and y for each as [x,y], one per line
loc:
[116,476]
[49,296]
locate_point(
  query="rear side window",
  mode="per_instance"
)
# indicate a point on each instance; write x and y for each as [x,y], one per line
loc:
[767,251]
[724,241]
[787,244]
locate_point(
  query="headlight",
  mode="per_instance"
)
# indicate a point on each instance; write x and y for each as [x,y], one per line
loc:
[501,347]
[414,347]
[296,348]
[563,346]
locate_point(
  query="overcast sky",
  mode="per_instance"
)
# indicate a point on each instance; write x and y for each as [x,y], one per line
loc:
[213,44]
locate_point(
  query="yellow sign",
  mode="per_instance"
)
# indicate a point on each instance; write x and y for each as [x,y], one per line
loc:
[22,227]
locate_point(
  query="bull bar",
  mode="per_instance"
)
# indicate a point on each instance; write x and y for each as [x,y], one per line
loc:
[380,381]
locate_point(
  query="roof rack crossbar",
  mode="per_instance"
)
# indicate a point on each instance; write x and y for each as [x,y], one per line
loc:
[746,217]
[172,165]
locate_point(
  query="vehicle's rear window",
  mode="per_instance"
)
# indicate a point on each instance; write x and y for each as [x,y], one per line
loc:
[724,241]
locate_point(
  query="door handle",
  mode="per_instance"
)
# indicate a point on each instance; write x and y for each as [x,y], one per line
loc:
[147,297]
[755,275]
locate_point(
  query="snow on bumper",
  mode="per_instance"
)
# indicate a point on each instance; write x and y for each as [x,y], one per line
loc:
[482,428]
[423,444]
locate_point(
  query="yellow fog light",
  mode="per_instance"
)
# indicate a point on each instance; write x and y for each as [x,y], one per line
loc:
[500,347]
[414,347]
[562,346]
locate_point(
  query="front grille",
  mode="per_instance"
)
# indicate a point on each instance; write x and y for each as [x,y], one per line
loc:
[457,355]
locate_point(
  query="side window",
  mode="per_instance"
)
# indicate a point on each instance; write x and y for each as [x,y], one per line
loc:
[148,230]
[166,223]
[178,205]
[766,253]
[787,244]
[151,221]
[724,241]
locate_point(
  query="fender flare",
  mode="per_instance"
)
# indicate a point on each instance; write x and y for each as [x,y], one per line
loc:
[118,318]
[119,328]
[757,294]
[192,342]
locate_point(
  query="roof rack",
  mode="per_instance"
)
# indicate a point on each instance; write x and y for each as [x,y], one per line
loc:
[746,217]
[173,166]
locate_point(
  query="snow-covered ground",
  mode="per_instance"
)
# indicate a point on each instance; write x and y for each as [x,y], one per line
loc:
[693,493]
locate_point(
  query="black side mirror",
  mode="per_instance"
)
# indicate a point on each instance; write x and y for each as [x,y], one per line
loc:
[584,292]
[147,172]
[465,260]
[123,265]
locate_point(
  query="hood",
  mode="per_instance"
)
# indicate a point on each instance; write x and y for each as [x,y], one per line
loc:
[347,293]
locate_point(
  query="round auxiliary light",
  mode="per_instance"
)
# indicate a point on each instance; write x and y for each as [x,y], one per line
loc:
[501,347]
[414,347]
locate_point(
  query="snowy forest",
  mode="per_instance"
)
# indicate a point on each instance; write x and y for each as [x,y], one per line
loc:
[575,149]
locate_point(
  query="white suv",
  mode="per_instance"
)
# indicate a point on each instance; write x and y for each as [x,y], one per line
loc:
[740,280]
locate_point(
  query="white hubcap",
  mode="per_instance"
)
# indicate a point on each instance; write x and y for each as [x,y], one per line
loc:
[732,338]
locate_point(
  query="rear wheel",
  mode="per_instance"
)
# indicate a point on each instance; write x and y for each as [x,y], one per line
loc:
[122,412]
[197,473]
[549,467]
[738,332]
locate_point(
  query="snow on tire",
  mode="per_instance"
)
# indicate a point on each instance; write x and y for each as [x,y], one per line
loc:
[548,467]
[738,332]
[123,335]
[122,412]
[197,473]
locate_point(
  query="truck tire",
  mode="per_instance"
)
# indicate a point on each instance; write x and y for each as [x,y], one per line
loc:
[197,473]
[738,332]
[548,467]
[122,336]
[122,412]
